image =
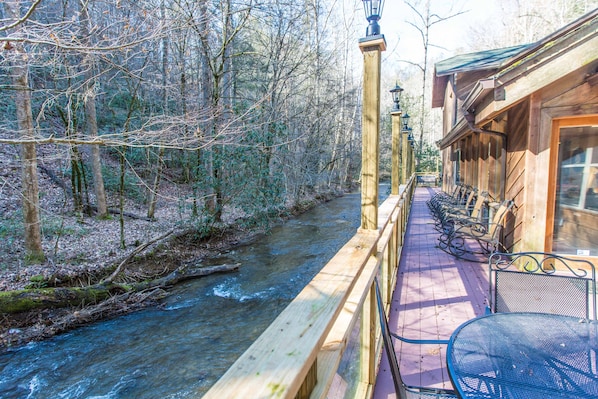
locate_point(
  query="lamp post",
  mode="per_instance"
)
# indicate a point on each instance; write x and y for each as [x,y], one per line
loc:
[396,97]
[373,13]
[395,115]
[371,46]
[406,149]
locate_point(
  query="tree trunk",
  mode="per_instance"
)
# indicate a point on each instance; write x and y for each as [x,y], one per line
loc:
[91,117]
[153,195]
[20,70]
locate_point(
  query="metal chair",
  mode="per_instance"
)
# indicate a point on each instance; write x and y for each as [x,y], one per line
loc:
[461,240]
[403,390]
[445,221]
[542,282]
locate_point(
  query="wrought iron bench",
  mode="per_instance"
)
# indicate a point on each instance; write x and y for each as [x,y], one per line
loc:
[467,240]
[541,282]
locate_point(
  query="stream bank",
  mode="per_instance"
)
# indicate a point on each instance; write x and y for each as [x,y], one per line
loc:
[160,259]
[181,347]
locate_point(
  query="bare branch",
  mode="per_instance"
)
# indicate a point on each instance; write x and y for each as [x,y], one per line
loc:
[23,18]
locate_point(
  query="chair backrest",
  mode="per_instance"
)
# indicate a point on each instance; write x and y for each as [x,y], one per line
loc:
[470,197]
[463,194]
[541,282]
[476,212]
[456,191]
[499,217]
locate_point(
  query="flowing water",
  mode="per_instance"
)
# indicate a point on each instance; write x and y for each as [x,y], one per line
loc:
[180,349]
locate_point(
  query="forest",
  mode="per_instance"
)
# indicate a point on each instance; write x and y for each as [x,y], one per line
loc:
[167,124]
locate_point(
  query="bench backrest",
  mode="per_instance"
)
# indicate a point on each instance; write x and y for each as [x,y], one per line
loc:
[542,283]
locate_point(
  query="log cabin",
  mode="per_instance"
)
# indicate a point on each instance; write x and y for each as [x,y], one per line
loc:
[522,123]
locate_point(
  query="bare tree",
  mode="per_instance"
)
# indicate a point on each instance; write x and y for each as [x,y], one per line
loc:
[425,20]
[524,22]
[90,110]
[29,179]
[151,210]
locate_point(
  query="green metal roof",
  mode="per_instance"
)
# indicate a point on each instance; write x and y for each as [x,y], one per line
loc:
[488,59]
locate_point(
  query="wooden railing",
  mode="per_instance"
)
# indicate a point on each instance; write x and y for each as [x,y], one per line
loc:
[298,355]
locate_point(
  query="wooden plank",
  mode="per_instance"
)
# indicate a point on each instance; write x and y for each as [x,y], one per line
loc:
[386,211]
[276,364]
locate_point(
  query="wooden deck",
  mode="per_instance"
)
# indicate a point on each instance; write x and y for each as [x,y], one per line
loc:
[435,293]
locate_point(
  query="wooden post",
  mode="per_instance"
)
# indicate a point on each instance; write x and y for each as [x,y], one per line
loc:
[396,148]
[404,156]
[409,160]
[371,47]
[413,164]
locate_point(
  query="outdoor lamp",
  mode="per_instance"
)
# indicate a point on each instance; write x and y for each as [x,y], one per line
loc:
[405,118]
[410,136]
[373,12]
[396,97]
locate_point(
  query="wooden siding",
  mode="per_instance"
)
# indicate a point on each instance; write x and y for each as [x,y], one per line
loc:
[449,111]
[517,143]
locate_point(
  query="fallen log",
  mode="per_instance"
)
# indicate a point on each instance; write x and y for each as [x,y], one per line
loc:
[51,298]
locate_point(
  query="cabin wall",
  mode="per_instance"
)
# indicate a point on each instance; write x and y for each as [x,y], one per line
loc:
[516,166]
[449,119]
[532,154]
[516,152]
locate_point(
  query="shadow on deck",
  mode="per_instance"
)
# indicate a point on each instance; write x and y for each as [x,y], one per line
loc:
[435,293]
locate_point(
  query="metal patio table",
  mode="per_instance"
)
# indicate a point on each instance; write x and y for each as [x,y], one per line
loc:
[524,355]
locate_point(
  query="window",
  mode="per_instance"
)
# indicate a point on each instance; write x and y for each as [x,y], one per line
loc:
[576,200]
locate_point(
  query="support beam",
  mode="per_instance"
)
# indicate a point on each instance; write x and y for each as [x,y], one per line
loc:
[395,178]
[372,49]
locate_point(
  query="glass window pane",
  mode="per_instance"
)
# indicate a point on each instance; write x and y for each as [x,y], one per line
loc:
[592,192]
[576,207]
[570,185]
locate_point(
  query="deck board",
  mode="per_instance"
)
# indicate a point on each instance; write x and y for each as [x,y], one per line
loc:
[435,293]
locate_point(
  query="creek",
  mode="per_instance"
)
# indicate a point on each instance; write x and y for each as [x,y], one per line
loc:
[180,349]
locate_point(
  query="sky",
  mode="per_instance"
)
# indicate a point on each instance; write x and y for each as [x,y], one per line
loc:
[404,42]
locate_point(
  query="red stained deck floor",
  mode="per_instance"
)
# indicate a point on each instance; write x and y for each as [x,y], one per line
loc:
[435,293]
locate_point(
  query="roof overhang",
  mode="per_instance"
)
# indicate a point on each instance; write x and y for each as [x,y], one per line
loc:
[567,51]
[487,60]
[460,130]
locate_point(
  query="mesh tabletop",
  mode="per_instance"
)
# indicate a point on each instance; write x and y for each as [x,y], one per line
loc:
[524,355]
